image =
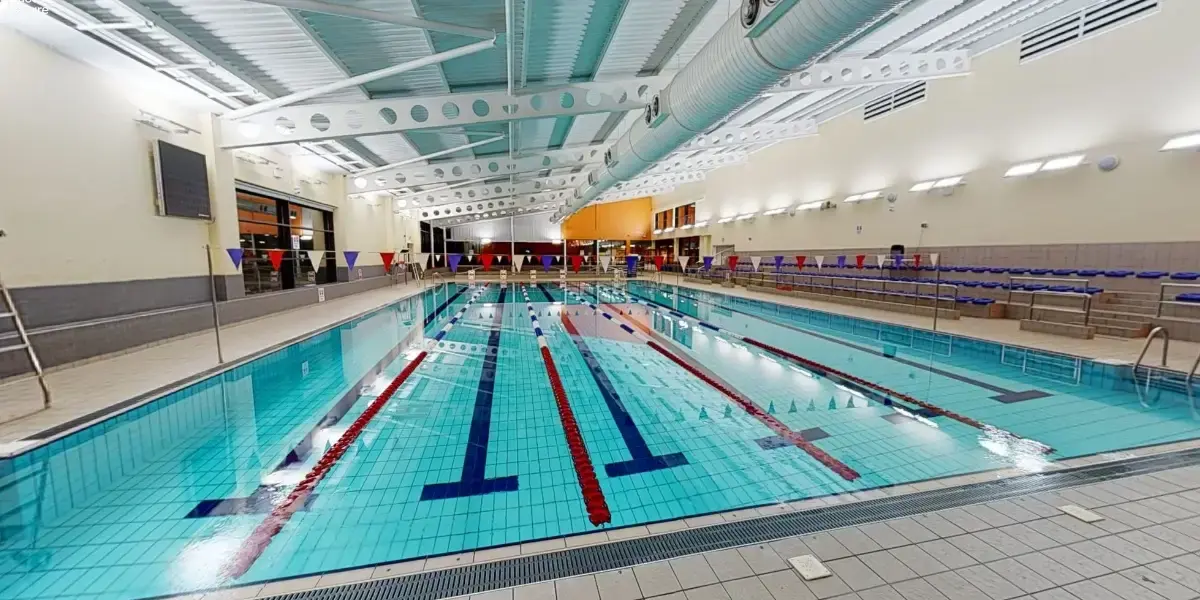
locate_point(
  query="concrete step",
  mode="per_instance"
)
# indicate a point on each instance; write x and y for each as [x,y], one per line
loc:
[1110,322]
[1082,332]
[1134,297]
[1121,332]
[1122,315]
[1125,306]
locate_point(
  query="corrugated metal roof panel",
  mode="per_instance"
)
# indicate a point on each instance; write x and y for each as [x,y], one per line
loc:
[555,33]
[642,27]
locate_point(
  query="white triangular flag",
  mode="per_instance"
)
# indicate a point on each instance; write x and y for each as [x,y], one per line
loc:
[934,257]
[820,260]
[315,258]
[604,262]
[421,259]
[755,261]
[881,258]
[437,258]
[683,261]
[518,260]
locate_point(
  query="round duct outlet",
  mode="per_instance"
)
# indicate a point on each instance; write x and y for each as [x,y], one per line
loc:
[1108,163]
[750,12]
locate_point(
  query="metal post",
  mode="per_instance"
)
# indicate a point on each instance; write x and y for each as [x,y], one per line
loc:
[512,238]
[212,288]
[937,280]
[445,254]
[564,261]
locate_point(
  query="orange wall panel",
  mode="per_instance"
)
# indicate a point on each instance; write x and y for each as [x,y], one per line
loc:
[625,220]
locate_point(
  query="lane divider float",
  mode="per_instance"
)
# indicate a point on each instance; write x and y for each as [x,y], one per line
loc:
[933,409]
[256,543]
[792,437]
[593,494]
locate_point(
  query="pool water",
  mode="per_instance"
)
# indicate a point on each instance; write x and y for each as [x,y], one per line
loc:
[470,451]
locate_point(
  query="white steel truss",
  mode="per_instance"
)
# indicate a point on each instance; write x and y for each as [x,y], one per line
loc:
[370,117]
[677,164]
[490,191]
[485,208]
[617,195]
[672,179]
[448,172]
[854,72]
[734,135]
[502,214]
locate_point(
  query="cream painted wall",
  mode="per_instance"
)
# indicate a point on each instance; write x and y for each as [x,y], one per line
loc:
[1123,93]
[77,200]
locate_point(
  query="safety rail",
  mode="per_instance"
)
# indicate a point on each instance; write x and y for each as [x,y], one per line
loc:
[1162,292]
[436,277]
[1187,382]
[883,283]
[1073,280]
[1087,301]
[1142,355]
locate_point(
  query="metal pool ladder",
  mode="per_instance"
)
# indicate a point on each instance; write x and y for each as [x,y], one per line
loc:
[1187,382]
[1149,372]
[9,311]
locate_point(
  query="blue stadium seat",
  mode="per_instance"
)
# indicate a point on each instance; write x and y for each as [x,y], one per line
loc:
[965,299]
[1089,272]
[983,301]
[991,284]
[1018,270]
[1060,288]
[1039,271]
[998,270]
[1087,290]
[1185,276]
[1033,287]
[1192,297]
[1118,273]
[1151,274]
[970,283]
[960,269]
[979,269]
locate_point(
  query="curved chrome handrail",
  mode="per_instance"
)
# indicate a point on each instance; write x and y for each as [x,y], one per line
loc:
[1145,347]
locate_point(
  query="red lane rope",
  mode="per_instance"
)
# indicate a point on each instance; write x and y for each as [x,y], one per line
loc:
[254,545]
[783,431]
[593,495]
[755,411]
[933,408]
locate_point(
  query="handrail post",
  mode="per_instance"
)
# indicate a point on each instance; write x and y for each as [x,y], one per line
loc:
[212,289]
[1162,292]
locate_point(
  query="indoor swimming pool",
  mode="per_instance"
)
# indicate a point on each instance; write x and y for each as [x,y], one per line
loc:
[673,403]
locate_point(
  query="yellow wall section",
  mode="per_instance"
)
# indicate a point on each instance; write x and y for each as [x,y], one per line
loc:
[625,220]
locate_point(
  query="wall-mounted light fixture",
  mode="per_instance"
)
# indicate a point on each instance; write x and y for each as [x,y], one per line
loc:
[863,196]
[724,220]
[937,184]
[1183,142]
[1061,163]
[774,211]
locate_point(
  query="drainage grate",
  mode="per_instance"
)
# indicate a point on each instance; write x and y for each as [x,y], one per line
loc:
[1089,22]
[475,579]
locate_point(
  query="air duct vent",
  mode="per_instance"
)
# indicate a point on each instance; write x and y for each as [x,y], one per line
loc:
[654,113]
[905,96]
[1089,22]
[608,157]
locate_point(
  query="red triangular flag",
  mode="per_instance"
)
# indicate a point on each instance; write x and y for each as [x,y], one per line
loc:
[576,262]
[387,260]
[858,260]
[733,260]
[487,261]
[276,257]
[916,261]
[800,262]
[658,261]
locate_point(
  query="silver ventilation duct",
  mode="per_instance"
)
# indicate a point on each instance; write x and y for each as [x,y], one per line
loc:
[753,50]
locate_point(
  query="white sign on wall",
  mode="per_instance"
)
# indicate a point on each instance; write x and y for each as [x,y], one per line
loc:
[320,294]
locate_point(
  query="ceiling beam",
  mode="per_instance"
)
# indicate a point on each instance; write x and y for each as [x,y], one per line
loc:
[858,72]
[500,166]
[341,10]
[287,124]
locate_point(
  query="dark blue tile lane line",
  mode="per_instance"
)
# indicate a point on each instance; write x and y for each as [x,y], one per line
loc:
[642,459]
[261,500]
[546,293]
[1002,394]
[474,480]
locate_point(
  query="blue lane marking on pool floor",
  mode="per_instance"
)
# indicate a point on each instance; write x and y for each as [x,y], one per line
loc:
[474,480]
[1004,395]
[642,459]
[433,315]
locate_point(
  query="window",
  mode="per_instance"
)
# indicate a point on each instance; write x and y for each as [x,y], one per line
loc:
[685,215]
[663,220]
[266,224]
[690,246]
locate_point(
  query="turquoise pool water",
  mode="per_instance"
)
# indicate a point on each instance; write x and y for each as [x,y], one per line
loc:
[470,452]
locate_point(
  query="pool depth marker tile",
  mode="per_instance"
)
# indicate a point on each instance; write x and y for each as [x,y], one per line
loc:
[473,481]
[642,459]
[795,438]
[593,494]
[256,543]
[1004,395]
[835,375]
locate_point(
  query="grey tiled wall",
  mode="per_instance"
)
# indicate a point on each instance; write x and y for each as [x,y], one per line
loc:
[64,343]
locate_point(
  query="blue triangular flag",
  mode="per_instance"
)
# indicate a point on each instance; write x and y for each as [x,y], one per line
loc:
[351,257]
[235,254]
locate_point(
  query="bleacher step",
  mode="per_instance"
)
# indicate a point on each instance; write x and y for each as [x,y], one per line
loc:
[1082,332]
[1122,315]
[1129,308]
[1121,332]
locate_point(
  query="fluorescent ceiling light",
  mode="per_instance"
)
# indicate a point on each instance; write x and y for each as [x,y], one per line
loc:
[810,205]
[869,196]
[745,216]
[701,223]
[1066,162]
[854,198]
[948,182]
[724,220]
[924,186]
[1024,169]
[1183,142]
[774,211]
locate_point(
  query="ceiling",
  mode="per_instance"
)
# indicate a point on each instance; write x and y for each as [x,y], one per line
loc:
[241,52]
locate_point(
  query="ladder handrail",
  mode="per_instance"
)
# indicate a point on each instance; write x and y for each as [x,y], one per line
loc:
[1187,382]
[15,315]
[1150,338]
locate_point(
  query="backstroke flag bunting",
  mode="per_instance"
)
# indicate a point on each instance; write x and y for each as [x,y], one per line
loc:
[658,261]
[316,258]
[708,263]
[454,260]
[800,262]
[576,262]
[882,258]
[518,261]
[778,263]
[916,261]
[631,263]
[547,259]
[820,261]
[487,261]
[423,260]
[235,254]
[683,261]
[755,261]
[841,262]
[387,257]
[276,258]
[732,261]
[604,262]
[351,257]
